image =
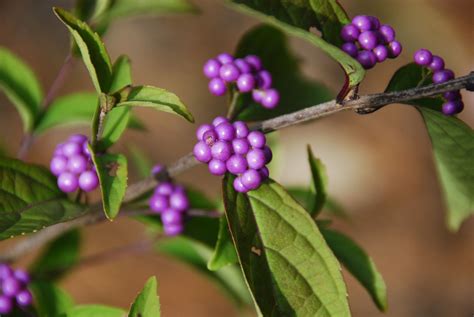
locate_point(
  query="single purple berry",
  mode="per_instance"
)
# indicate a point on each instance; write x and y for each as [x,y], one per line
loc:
[350,48]
[240,146]
[264,173]
[460,106]
[58,165]
[202,152]
[387,33]
[158,203]
[257,139]
[78,138]
[350,32]
[217,167]
[229,72]
[436,64]
[85,149]
[268,154]
[173,229]
[210,137]
[22,276]
[77,164]
[270,99]
[251,179]
[164,189]
[217,87]
[450,107]
[171,217]
[221,150]
[71,148]
[241,129]
[264,79]
[254,61]
[24,298]
[246,83]
[225,58]
[157,169]
[238,186]
[6,305]
[88,181]
[243,66]
[10,286]
[256,159]
[179,201]
[394,49]
[368,40]
[211,68]
[363,22]
[381,53]
[225,131]
[237,164]
[442,76]
[218,120]
[5,271]
[375,22]
[202,129]
[423,57]
[257,95]
[58,150]
[68,182]
[367,59]
[452,95]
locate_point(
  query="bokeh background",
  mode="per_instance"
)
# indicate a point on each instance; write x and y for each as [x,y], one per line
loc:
[380,166]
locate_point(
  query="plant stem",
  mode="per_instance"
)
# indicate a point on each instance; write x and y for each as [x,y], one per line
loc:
[232,112]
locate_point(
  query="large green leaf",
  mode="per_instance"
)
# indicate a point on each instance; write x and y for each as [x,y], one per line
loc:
[453,146]
[21,86]
[112,171]
[93,52]
[157,98]
[359,264]
[95,311]
[296,17]
[296,91]
[50,300]
[287,264]
[147,303]
[58,256]
[224,251]
[320,182]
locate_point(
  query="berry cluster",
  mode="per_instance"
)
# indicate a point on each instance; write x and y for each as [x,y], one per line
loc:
[246,73]
[171,202]
[435,64]
[72,164]
[13,289]
[231,147]
[368,41]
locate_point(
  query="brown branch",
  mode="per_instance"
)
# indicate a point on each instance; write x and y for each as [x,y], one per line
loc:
[186,162]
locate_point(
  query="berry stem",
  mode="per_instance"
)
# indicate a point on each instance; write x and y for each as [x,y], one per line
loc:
[232,112]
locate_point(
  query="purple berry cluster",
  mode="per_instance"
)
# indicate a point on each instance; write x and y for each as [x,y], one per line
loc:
[368,41]
[246,73]
[72,164]
[453,99]
[13,289]
[231,147]
[171,202]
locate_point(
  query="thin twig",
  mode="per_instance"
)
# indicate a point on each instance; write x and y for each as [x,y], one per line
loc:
[136,190]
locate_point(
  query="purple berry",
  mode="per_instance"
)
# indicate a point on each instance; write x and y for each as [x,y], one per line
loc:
[71,148]
[257,139]
[381,53]
[257,95]
[264,79]
[436,64]
[375,22]
[58,165]
[246,83]
[243,66]
[210,137]
[450,107]
[368,40]
[221,150]
[225,131]
[264,173]
[225,58]
[164,189]
[268,154]
[211,68]
[173,230]
[270,99]
[229,72]
[237,164]
[256,159]
[238,186]
[88,181]
[85,149]
[442,76]
[217,167]
[387,33]
[24,298]
[363,22]
[10,286]
[251,179]
[179,201]
[5,271]
[202,152]
[241,129]
[452,95]
[22,276]
[367,59]
[78,138]
[350,32]
[218,120]
[350,48]
[77,164]
[254,61]
[171,217]
[58,151]
[157,169]
[394,49]
[240,146]
[217,87]
[158,203]
[202,129]
[423,57]
[68,182]
[6,305]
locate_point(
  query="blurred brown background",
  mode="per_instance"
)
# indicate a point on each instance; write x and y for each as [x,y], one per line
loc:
[380,166]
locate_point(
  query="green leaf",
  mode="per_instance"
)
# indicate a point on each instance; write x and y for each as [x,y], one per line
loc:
[296,91]
[113,173]
[77,108]
[359,264]
[21,86]
[86,10]
[94,54]
[95,311]
[50,300]
[287,264]
[224,252]
[58,256]
[146,304]
[157,98]
[296,17]
[320,182]
[136,123]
